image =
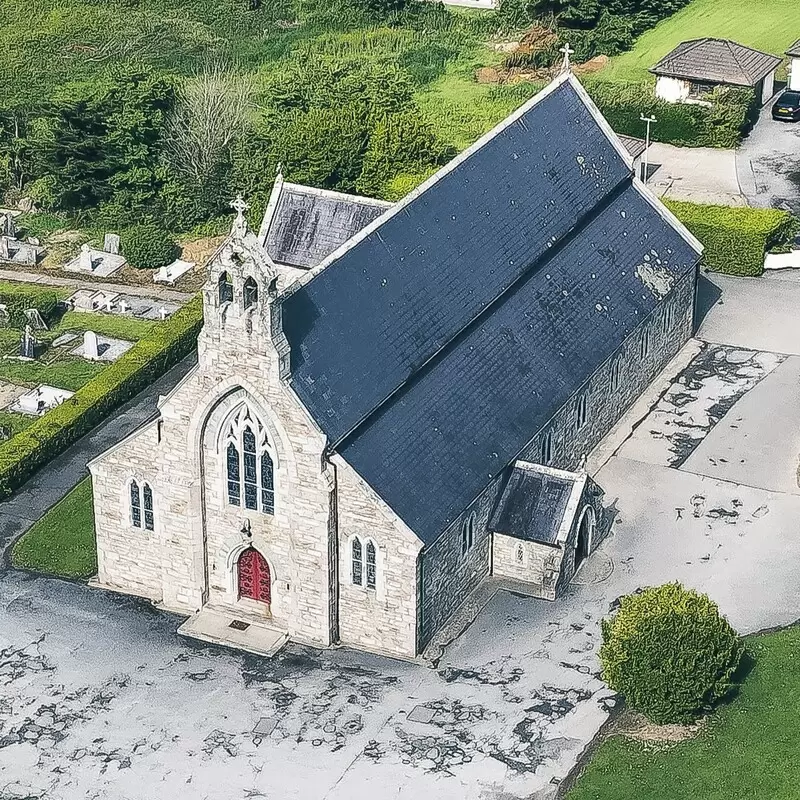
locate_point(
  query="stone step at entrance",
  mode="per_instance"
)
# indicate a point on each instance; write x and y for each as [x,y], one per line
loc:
[240,631]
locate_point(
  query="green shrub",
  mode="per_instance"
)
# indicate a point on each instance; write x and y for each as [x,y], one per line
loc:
[735,239]
[687,125]
[670,653]
[19,298]
[149,358]
[148,247]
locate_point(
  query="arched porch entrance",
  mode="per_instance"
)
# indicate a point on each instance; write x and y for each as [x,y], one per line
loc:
[253,576]
[583,543]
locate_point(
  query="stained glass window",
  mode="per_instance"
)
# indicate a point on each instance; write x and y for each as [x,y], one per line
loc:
[147,494]
[471,532]
[464,538]
[250,469]
[136,505]
[370,565]
[547,449]
[267,488]
[250,293]
[358,563]
[234,487]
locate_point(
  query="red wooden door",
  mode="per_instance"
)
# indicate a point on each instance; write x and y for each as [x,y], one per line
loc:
[254,578]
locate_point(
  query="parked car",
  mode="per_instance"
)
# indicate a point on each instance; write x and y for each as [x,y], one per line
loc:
[787,107]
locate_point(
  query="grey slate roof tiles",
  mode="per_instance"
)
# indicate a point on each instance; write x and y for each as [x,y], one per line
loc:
[432,349]
[370,319]
[532,505]
[634,146]
[794,50]
[717,61]
[308,225]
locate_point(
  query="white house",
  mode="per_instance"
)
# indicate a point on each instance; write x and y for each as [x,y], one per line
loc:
[794,66]
[690,72]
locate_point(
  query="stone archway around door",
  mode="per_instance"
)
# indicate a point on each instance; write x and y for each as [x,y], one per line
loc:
[583,541]
[253,577]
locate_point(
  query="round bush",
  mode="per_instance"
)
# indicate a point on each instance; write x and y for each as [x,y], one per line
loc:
[670,653]
[148,247]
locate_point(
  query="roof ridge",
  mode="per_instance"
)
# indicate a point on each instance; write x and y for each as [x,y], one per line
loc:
[490,307]
[735,57]
[359,198]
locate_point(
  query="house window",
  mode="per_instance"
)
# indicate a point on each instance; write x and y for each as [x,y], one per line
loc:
[616,372]
[225,288]
[370,565]
[699,90]
[249,466]
[357,560]
[250,293]
[467,534]
[546,449]
[582,411]
[136,505]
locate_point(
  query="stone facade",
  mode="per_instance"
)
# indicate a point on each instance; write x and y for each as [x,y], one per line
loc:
[190,558]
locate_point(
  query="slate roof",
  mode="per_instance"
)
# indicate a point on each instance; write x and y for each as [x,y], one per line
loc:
[717,61]
[794,50]
[532,505]
[303,226]
[634,146]
[433,346]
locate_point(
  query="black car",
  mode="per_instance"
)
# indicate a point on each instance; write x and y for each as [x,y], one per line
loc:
[787,107]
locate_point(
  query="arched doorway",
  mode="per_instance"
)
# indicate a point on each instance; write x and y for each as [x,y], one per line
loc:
[584,541]
[253,576]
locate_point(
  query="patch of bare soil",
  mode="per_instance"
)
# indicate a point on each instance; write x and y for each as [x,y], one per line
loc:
[633,725]
[199,251]
[591,66]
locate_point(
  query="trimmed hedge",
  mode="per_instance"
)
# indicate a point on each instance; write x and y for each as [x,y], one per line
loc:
[670,653]
[19,298]
[148,247]
[735,239]
[683,124]
[149,358]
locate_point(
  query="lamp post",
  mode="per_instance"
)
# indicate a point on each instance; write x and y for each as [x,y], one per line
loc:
[648,121]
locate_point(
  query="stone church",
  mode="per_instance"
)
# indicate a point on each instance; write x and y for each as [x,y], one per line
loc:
[393,403]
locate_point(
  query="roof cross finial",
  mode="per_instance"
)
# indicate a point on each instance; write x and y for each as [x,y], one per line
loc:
[567,51]
[240,223]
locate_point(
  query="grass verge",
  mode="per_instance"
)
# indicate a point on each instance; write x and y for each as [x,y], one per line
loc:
[746,751]
[62,542]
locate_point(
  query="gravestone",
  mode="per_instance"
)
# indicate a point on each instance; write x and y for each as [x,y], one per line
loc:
[7,226]
[85,261]
[5,317]
[123,306]
[111,244]
[35,319]
[27,345]
[5,254]
[26,254]
[90,349]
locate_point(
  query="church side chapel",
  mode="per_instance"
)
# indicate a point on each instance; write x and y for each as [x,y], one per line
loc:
[394,403]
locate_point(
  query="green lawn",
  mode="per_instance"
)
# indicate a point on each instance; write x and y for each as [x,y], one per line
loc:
[118,327]
[62,542]
[748,750]
[769,25]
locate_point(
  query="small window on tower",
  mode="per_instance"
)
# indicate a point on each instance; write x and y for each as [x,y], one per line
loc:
[225,288]
[250,293]
[546,452]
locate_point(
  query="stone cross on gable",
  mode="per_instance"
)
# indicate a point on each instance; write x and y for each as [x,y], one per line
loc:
[567,51]
[240,223]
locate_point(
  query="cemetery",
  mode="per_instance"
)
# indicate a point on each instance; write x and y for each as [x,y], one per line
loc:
[48,350]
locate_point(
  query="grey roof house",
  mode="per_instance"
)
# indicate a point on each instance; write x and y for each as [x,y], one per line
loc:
[694,68]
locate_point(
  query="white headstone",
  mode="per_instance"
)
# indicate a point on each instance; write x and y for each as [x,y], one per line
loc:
[5,255]
[85,261]
[164,313]
[7,226]
[27,344]
[90,350]
[111,243]
[123,306]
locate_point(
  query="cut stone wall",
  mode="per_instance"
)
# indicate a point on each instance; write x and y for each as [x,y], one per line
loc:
[383,619]
[536,562]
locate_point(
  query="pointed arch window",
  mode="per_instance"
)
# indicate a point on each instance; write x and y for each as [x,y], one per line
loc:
[357,560]
[225,287]
[136,505]
[616,373]
[250,293]
[371,565]
[546,449]
[249,466]
[142,512]
[467,534]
